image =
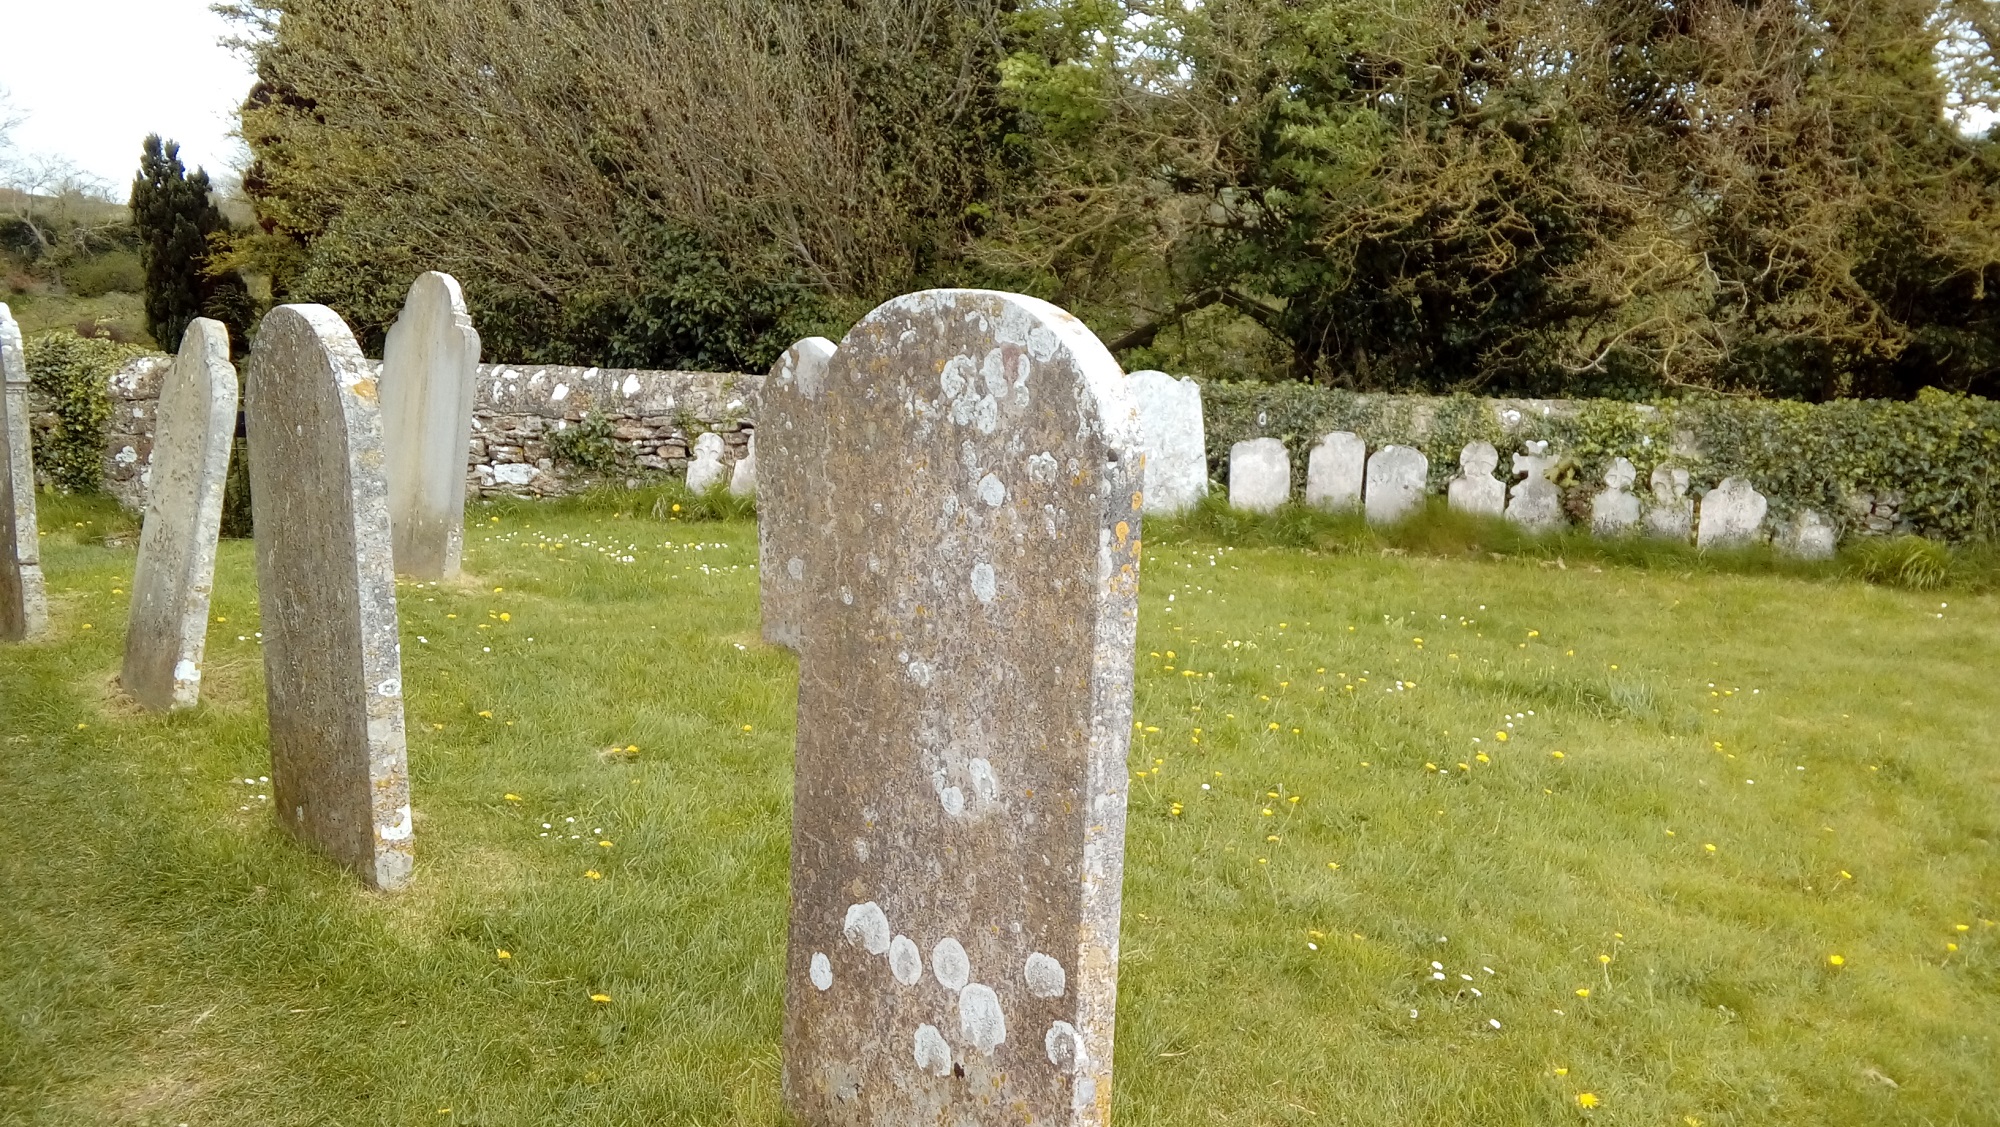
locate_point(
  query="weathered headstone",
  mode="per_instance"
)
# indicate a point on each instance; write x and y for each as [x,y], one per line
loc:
[24,608]
[1475,489]
[193,429]
[326,584]
[1670,516]
[1732,515]
[1536,504]
[743,477]
[1398,477]
[429,375]
[791,480]
[965,698]
[1615,511]
[1807,536]
[1170,425]
[1335,470]
[1260,475]
[705,470]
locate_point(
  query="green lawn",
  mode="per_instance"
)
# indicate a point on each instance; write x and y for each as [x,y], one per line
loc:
[1710,784]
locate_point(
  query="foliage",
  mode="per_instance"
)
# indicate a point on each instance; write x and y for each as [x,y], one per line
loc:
[178,222]
[1911,562]
[589,445]
[71,378]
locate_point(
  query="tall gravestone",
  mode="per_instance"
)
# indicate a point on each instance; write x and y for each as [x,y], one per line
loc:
[1260,475]
[1176,445]
[429,376]
[1335,470]
[193,429]
[965,703]
[1398,477]
[743,478]
[1536,504]
[326,584]
[791,479]
[1732,515]
[24,607]
[1670,515]
[1615,511]
[1475,490]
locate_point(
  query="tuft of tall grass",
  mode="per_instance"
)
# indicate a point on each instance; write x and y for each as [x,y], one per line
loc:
[1910,562]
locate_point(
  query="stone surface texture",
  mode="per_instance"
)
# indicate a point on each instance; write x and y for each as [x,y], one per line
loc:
[24,607]
[1475,489]
[1335,471]
[1536,503]
[1732,515]
[168,629]
[743,479]
[1807,536]
[429,377]
[326,585]
[1170,424]
[791,478]
[965,707]
[1260,475]
[1670,514]
[1397,481]
[1615,511]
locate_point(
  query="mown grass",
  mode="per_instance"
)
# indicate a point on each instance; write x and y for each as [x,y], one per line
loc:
[167,956]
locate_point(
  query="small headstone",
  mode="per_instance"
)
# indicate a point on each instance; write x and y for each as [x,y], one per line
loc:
[24,607]
[1615,511]
[1807,536]
[1475,489]
[1398,477]
[1260,475]
[1335,471]
[1176,446]
[794,426]
[429,376]
[1536,504]
[193,429]
[965,706]
[1732,515]
[705,470]
[326,583]
[743,478]
[1670,516]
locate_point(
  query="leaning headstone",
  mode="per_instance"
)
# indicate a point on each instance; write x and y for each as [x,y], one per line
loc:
[1260,475]
[1536,504]
[790,481]
[1398,477]
[429,372]
[326,583]
[743,478]
[1475,489]
[1732,515]
[1335,471]
[1176,447]
[1615,511]
[1670,516]
[706,470]
[24,607]
[1807,536]
[193,429]
[965,702]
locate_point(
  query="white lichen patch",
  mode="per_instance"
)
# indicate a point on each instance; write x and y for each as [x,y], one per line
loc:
[1064,1047]
[951,965]
[867,927]
[905,961]
[933,1055]
[1045,976]
[993,491]
[821,972]
[984,583]
[984,784]
[980,1019]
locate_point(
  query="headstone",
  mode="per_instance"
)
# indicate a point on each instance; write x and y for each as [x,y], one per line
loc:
[743,478]
[1335,470]
[429,374]
[1670,516]
[965,702]
[1808,536]
[1170,424]
[193,429]
[1536,504]
[24,607]
[790,481]
[1732,515]
[1398,477]
[1475,489]
[1615,511]
[705,470]
[1260,475]
[327,586]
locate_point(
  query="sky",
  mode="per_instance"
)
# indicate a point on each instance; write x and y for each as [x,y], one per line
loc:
[93,77]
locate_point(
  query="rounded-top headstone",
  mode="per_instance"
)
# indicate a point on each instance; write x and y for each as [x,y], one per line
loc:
[24,611]
[1260,475]
[430,371]
[1398,477]
[792,454]
[1335,471]
[1176,445]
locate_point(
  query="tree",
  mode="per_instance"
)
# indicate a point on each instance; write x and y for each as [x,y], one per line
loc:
[176,221]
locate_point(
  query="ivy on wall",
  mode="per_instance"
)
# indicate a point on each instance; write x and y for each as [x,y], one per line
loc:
[69,381]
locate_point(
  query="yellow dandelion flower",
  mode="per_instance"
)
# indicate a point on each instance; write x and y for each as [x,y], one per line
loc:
[1583,993]
[1501,736]
[486,714]
[1267,811]
[511,797]
[1710,846]
[605,844]
[1603,958]
[503,954]
[505,617]
[1836,960]
[593,874]
[601,999]
[1586,1099]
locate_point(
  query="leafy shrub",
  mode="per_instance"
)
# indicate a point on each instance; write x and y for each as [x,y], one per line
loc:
[589,445]
[70,376]
[116,272]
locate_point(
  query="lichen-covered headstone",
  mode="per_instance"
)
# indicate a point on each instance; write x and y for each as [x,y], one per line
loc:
[1170,425]
[1732,515]
[1615,511]
[1670,515]
[193,429]
[1475,489]
[965,695]
[1398,477]
[326,584]
[1536,504]
[429,378]
[1807,536]
[24,607]
[1335,470]
[743,478]
[791,479]
[705,470]
[1260,475]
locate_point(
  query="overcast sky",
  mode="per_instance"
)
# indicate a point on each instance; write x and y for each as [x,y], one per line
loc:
[93,77]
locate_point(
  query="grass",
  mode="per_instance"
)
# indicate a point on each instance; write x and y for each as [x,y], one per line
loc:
[167,956]
[121,315]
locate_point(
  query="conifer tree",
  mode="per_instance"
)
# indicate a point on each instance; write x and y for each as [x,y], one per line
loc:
[174,217]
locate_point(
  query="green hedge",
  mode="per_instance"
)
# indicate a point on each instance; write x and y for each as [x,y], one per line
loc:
[1941,452]
[70,377]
